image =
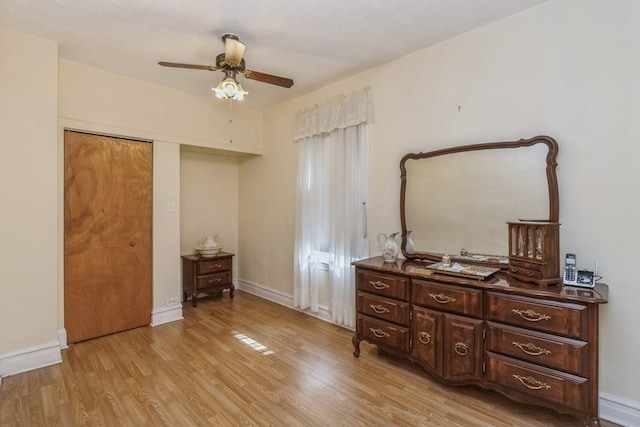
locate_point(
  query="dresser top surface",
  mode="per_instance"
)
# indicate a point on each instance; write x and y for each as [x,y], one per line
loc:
[499,281]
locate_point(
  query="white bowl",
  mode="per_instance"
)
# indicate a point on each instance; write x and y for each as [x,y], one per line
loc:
[208,252]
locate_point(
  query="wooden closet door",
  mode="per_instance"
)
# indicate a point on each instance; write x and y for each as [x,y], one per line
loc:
[107,235]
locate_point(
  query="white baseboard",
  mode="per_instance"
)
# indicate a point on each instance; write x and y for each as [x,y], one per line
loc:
[167,314]
[619,410]
[265,292]
[30,358]
[62,338]
[279,298]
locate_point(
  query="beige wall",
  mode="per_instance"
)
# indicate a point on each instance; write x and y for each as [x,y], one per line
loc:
[28,190]
[208,200]
[166,224]
[93,98]
[568,69]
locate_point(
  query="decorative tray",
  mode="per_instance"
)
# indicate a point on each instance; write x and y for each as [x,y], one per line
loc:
[470,271]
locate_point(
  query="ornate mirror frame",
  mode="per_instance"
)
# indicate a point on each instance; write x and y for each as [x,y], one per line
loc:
[552,183]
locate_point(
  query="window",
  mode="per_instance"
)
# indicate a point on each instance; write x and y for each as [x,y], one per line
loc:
[331,205]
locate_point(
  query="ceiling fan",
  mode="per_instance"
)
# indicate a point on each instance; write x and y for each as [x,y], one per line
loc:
[232,63]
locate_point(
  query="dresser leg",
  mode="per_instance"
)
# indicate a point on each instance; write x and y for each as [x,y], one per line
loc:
[194,299]
[593,422]
[356,345]
[233,288]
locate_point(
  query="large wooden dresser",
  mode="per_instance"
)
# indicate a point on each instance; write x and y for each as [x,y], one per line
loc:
[536,345]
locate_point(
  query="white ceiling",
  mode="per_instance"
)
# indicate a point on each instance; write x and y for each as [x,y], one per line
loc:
[312,42]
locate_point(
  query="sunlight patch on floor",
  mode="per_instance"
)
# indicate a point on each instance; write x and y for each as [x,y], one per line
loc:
[252,343]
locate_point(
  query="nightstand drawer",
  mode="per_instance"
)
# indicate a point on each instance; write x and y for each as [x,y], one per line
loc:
[215,279]
[213,266]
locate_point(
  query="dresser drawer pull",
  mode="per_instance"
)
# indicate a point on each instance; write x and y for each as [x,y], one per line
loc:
[424,338]
[530,315]
[531,349]
[217,279]
[379,333]
[461,348]
[531,383]
[379,309]
[442,298]
[379,285]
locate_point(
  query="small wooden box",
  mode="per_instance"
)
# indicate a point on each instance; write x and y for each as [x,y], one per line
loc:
[534,252]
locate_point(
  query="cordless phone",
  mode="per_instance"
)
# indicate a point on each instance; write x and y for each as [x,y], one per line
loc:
[570,270]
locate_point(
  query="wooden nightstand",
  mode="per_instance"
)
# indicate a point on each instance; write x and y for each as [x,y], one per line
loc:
[209,275]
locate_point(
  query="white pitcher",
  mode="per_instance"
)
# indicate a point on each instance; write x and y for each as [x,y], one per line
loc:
[388,246]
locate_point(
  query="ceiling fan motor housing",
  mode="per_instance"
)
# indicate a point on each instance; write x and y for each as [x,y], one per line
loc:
[221,64]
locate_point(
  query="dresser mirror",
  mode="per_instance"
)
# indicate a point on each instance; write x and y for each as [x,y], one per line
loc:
[458,200]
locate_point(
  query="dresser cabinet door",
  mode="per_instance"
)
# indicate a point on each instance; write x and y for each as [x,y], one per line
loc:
[426,338]
[462,349]
[449,345]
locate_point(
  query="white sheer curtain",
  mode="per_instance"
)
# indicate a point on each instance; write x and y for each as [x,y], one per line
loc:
[331,206]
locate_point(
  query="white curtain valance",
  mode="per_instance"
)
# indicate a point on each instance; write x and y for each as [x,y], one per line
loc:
[348,110]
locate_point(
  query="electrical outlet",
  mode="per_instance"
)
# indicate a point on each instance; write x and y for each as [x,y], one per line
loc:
[172,301]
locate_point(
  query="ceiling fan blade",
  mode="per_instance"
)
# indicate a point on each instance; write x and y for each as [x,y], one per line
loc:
[233,50]
[268,78]
[191,66]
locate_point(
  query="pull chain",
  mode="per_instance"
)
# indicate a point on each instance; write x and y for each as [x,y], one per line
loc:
[230,121]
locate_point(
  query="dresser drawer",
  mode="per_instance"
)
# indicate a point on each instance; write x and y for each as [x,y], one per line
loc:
[542,383]
[543,315]
[384,308]
[213,266]
[454,299]
[524,264]
[537,347]
[216,279]
[525,272]
[381,332]
[383,284]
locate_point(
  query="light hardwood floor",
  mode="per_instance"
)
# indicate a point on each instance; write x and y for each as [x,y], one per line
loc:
[246,362]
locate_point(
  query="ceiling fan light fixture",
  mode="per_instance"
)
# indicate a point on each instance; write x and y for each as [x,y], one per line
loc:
[230,89]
